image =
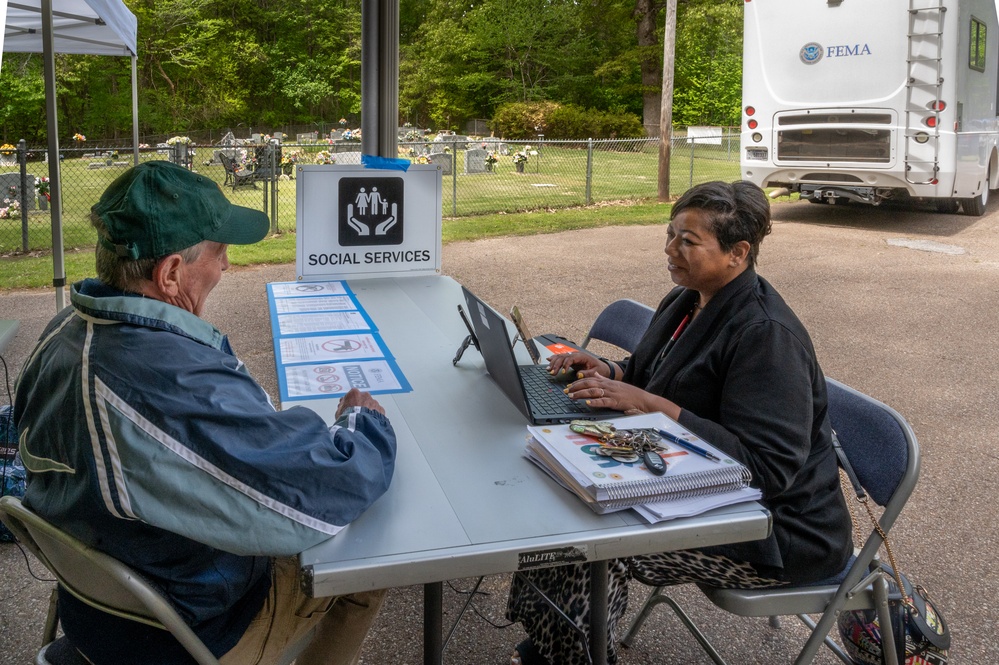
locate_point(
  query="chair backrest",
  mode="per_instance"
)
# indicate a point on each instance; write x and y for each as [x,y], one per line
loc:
[226,162]
[97,579]
[622,323]
[879,444]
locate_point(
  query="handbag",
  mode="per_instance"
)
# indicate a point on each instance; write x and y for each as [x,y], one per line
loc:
[12,473]
[919,630]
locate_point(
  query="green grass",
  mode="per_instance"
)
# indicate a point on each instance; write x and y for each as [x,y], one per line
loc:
[549,196]
[35,269]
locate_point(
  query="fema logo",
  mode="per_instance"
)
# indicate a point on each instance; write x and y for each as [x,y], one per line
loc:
[370,211]
[810,53]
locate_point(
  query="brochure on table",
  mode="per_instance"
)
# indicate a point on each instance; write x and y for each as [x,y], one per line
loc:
[358,222]
[325,343]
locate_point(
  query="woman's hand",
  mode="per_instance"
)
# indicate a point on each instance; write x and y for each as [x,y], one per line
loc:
[599,392]
[585,364]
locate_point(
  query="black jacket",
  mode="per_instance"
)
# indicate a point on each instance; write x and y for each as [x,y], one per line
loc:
[747,380]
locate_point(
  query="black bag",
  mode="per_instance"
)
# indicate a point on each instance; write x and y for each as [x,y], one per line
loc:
[12,474]
[919,630]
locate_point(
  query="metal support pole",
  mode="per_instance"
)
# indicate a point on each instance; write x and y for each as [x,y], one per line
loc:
[370,20]
[388,73]
[589,171]
[274,189]
[454,178]
[22,161]
[692,142]
[433,624]
[135,113]
[380,77]
[55,180]
[598,612]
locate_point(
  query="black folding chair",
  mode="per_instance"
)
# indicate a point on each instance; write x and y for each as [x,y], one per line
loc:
[881,448]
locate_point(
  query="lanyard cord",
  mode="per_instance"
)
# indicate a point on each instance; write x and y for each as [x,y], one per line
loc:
[672,340]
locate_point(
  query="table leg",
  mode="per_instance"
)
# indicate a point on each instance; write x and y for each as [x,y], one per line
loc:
[433,623]
[598,612]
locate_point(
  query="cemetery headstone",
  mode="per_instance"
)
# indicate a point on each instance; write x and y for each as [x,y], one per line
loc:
[10,188]
[443,160]
[475,160]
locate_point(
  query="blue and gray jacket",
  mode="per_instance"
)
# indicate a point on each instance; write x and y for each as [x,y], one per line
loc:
[144,436]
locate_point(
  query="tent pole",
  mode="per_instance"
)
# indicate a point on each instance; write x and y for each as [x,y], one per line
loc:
[52,120]
[370,102]
[135,113]
[388,73]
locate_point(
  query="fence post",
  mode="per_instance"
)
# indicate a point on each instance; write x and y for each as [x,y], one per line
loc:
[693,142]
[274,190]
[454,177]
[22,161]
[589,170]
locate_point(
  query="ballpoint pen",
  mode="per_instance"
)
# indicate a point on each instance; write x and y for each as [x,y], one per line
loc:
[688,445]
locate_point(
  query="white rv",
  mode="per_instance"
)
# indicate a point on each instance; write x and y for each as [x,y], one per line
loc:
[867,100]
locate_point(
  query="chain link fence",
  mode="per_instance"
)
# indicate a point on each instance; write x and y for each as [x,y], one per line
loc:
[479,176]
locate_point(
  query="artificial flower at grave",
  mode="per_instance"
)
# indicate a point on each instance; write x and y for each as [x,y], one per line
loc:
[79,138]
[520,157]
[343,122]
[178,140]
[325,157]
[43,187]
[7,149]
[10,208]
[491,158]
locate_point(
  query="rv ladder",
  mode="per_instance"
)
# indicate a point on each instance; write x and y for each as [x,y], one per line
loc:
[922,90]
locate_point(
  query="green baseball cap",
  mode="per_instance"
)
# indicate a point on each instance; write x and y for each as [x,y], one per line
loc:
[158,208]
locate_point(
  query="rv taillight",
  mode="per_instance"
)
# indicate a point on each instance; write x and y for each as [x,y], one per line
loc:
[750,110]
[931,121]
[752,124]
[937,105]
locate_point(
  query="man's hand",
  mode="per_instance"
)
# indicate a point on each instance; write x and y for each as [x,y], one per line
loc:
[358,398]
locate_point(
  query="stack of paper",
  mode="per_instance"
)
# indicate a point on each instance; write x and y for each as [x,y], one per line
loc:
[691,485]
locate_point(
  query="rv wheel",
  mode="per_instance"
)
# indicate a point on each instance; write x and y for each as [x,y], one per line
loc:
[975,206]
[947,206]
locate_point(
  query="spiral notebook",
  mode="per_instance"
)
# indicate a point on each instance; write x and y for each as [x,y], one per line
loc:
[607,485]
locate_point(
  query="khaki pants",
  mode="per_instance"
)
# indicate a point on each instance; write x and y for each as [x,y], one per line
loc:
[288,614]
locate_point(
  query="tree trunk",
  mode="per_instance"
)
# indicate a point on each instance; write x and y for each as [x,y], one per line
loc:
[646,13]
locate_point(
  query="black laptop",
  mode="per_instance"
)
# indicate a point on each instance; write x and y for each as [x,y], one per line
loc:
[529,387]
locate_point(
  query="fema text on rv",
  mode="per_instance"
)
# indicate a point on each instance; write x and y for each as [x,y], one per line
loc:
[354,258]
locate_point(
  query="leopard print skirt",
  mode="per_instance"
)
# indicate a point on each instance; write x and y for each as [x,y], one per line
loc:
[569,588]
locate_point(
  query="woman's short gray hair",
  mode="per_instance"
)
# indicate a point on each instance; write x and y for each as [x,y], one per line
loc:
[127,274]
[737,211]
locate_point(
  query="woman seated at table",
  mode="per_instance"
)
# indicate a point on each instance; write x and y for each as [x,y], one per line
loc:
[728,359]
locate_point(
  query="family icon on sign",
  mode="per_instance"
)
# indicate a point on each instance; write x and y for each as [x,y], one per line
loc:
[371,209]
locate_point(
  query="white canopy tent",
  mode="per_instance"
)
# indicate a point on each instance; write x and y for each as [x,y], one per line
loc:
[107,27]
[90,27]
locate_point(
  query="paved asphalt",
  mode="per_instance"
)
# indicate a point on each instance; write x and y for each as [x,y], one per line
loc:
[900,303]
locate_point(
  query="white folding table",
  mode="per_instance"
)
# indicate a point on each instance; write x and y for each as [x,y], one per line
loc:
[464,501]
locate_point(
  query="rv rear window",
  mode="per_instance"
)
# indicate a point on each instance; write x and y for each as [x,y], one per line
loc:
[836,119]
[976,59]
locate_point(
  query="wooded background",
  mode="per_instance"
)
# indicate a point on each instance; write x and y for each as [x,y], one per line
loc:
[265,64]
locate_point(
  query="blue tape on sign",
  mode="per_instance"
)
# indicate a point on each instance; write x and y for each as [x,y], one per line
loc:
[375,162]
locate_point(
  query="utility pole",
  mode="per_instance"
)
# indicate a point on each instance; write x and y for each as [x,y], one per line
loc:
[666,115]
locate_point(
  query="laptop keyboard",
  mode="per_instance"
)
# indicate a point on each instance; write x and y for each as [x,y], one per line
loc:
[545,395]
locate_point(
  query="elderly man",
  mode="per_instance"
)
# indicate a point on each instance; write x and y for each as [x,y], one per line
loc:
[145,436]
